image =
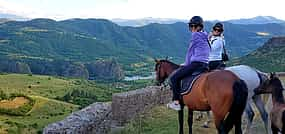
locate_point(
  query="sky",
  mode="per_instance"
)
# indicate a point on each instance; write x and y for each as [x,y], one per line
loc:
[135,9]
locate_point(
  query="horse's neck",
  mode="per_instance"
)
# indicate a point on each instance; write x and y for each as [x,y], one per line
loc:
[277,96]
[173,67]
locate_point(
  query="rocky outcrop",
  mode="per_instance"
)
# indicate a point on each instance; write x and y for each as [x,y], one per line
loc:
[105,69]
[275,42]
[15,67]
[58,67]
[76,70]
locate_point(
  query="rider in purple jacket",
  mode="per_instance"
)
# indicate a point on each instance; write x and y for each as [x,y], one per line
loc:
[198,48]
[197,57]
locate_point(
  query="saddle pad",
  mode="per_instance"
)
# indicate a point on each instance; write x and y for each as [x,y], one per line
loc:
[187,83]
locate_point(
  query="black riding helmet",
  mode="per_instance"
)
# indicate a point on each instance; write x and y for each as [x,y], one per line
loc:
[196,20]
[219,25]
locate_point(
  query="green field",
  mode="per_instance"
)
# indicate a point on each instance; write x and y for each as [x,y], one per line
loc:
[55,98]
[45,111]
[43,89]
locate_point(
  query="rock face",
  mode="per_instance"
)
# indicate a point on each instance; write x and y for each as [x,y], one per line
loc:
[19,67]
[76,70]
[105,69]
[94,119]
[275,42]
[60,68]
[14,67]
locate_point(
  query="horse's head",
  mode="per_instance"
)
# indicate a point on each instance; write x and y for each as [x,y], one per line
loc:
[160,72]
[270,85]
[163,68]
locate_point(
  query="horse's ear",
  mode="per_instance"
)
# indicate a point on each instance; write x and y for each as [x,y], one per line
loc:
[272,75]
[156,60]
[267,75]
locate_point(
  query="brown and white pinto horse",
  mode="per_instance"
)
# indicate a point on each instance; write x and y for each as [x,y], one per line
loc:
[220,91]
[277,113]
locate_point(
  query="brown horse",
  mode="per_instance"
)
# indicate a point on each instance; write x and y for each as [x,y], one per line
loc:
[277,114]
[220,91]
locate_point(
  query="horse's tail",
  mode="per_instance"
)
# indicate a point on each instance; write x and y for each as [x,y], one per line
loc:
[240,93]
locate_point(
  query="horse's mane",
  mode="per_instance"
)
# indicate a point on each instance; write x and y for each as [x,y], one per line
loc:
[172,64]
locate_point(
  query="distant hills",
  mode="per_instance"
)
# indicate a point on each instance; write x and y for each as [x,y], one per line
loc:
[149,20]
[270,57]
[3,20]
[146,21]
[50,46]
[12,17]
[257,20]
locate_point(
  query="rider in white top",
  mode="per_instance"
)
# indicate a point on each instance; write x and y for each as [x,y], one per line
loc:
[217,43]
[216,48]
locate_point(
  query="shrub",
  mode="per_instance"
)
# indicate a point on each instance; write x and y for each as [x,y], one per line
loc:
[22,110]
[3,96]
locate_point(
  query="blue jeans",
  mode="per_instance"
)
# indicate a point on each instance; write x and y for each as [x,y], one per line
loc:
[181,73]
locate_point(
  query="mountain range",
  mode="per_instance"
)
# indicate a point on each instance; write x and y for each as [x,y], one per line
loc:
[145,21]
[257,20]
[149,20]
[79,42]
[12,17]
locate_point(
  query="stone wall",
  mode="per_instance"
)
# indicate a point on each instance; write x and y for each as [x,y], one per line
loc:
[99,117]
[126,106]
[94,119]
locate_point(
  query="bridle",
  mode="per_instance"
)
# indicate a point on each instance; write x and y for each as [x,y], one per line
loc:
[158,73]
[161,80]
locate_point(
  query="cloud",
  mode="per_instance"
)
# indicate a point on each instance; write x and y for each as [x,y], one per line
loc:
[7,7]
[133,9]
[25,11]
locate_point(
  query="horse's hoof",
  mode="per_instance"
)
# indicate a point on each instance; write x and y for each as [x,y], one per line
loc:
[205,126]
[198,119]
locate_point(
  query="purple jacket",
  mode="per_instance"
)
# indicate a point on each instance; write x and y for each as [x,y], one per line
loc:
[198,49]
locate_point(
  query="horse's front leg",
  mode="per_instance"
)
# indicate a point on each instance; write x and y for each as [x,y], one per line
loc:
[180,119]
[190,120]
[206,123]
[264,115]
[249,117]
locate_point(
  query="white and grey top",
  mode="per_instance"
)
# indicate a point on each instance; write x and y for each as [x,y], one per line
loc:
[217,43]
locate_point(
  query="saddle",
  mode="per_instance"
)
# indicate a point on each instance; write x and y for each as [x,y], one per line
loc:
[187,82]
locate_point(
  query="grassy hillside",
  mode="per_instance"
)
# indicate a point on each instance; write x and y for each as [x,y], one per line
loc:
[55,98]
[52,87]
[44,111]
[43,89]
[270,57]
